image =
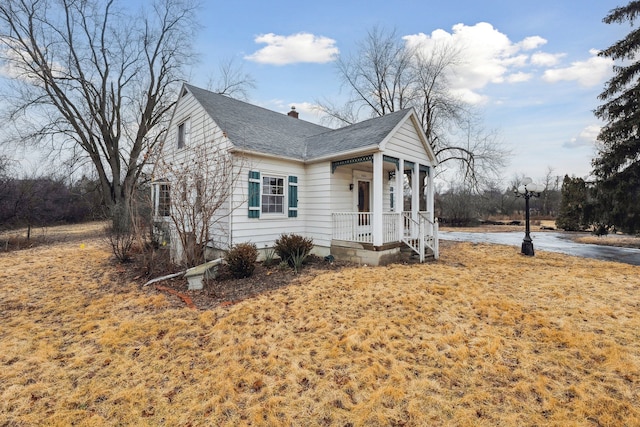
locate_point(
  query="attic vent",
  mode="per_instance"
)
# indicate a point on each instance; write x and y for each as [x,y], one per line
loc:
[293,113]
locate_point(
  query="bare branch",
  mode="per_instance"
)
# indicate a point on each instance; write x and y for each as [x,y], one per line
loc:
[96,76]
[231,80]
[201,185]
[386,75]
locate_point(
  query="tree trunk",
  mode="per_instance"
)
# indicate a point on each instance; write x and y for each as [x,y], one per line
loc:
[120,212]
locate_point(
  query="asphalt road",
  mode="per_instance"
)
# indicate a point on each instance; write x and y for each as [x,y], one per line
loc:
[549,241]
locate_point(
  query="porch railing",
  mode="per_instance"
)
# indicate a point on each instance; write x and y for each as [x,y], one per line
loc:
[418,234]
[352,226]
[357,227]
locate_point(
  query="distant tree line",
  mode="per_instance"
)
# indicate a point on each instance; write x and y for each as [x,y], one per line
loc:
[463,205]
[39,201]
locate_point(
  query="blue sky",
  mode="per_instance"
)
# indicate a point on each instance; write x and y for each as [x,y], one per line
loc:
[531,66]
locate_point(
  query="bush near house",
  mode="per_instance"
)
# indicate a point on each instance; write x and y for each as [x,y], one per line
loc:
[241,259]
[292,248]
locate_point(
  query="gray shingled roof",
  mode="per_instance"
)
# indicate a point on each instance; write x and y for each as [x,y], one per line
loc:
[368,133]
[257,129]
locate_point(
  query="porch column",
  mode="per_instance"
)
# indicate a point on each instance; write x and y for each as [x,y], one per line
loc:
[415,191]
[399,195]
[377,199]
[430,194]
[399,202]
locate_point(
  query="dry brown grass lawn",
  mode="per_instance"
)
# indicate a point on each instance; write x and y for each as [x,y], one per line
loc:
[611,240]
[482,337]
[17,239]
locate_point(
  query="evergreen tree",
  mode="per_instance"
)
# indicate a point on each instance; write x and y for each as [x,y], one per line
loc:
[572,206]
[617,166]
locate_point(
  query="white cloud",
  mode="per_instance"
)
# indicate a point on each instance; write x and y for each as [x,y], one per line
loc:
[13,64]
[545,59]
[519,77]
[300,47]
[487,56]
[11,54]
[587,73]
[533,42]
[469,96]
[587,137]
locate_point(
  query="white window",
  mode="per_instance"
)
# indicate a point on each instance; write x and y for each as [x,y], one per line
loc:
[162,199]
[272,194]
[183,134]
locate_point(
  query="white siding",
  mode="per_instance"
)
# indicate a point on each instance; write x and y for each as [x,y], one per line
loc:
[342,199]
[201,129]
[265,230]
[315,203]
[406,144]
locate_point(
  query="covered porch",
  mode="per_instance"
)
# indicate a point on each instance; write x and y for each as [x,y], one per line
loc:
[392,207]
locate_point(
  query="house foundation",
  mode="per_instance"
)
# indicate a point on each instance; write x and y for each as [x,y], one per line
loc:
[364,253]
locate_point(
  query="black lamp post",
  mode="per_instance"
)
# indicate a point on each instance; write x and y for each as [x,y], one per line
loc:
[527,190]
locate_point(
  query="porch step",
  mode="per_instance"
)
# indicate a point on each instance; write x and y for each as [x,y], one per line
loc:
[407,251]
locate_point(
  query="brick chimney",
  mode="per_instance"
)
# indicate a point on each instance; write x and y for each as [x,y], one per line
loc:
[293,113]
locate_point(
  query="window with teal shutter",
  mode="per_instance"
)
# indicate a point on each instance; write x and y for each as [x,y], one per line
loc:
[254,194]
[293,197]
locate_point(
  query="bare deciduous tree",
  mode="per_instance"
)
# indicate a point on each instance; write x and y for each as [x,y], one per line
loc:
[386,75]
[97,78]
[231,80]
[201,186]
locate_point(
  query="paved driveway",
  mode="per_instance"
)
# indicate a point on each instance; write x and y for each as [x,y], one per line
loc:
[549,241]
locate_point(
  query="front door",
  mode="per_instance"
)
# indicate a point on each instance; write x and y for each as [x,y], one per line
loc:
[364,202]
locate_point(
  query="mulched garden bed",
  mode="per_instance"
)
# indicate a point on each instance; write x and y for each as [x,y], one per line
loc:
[225,290]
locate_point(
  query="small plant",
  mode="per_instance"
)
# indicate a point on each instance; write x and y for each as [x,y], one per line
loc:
[241,259]
[283,266]
[297,260]
[269,257]
[288,246]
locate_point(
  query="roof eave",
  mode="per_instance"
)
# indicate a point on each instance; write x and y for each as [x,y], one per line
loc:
[356,151]
[262,154]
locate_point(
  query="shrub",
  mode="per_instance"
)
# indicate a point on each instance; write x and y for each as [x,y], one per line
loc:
[121,242]
[600,229]
[293,248]
[241,259]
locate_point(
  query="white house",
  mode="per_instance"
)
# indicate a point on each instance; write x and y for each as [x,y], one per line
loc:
[361,192]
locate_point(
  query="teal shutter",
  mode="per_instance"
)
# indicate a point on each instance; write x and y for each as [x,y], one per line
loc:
[254,194]
[391,201]
[293,197]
